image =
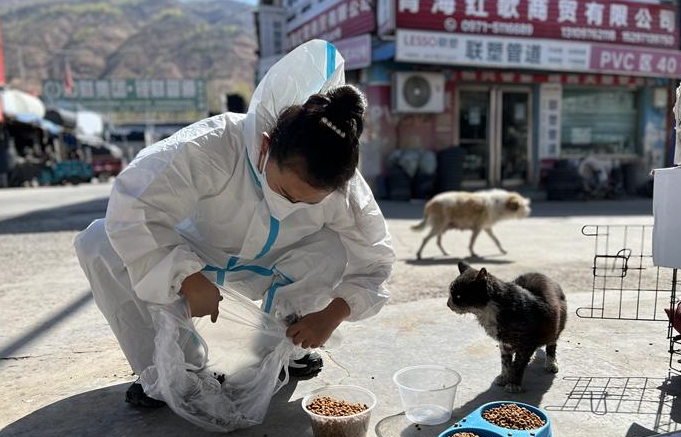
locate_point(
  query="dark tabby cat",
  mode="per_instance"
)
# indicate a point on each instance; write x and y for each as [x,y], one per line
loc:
[522,316]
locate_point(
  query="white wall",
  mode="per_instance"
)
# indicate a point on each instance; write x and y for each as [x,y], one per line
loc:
[272,28]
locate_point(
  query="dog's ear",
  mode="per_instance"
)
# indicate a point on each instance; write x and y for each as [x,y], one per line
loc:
[463,267]
[482,275]
[512,204]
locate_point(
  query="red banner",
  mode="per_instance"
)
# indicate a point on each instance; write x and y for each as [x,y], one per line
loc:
[495,76]
[632,60]
[605,21]
[342,20]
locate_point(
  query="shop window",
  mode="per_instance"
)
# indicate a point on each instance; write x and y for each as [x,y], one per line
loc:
[277,35]
[599,122]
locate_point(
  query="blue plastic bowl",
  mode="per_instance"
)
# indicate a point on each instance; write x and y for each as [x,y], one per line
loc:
[475,421]
[477,431]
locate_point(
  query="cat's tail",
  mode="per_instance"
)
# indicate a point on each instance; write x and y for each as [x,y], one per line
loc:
[424,221]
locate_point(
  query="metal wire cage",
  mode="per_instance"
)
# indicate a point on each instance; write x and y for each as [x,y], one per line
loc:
[626,285]
[674,327]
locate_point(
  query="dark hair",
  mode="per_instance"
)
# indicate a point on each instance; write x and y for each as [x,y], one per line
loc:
[319,140]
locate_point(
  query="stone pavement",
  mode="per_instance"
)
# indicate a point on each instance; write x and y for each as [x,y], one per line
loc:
[63,373]
[608,372]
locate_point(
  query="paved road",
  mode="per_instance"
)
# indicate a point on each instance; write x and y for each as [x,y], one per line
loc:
[54,343]
[40,271]
[549,241]
[17,202]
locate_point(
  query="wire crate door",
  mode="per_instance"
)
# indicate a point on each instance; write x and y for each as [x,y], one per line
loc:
[626,284]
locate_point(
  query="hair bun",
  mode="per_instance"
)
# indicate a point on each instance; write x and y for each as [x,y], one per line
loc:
[316,101]
[346,101]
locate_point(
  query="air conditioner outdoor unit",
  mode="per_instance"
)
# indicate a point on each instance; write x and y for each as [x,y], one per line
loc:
[418,92]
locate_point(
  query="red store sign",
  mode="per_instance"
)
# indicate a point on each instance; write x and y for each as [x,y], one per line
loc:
[604,21]
[631,60]
[342,20]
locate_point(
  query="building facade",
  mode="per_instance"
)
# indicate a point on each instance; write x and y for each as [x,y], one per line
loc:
[517,84]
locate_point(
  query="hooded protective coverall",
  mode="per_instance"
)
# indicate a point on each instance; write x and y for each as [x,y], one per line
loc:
[195,202]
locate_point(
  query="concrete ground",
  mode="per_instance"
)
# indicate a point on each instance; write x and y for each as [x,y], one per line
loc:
[63,373]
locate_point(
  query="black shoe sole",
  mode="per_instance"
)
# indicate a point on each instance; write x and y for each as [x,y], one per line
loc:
[301,372]
[135,396]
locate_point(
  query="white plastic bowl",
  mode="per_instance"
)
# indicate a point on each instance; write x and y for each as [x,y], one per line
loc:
[427,392]
[342,426]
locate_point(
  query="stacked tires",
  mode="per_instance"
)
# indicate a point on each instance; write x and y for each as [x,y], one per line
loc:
[563,182]
[435,173]
[399,184]
[450,169]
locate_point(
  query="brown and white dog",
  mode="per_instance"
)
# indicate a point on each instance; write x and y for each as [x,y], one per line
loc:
[475,211]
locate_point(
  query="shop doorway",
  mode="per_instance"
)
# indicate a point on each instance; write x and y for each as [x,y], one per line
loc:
[495,128]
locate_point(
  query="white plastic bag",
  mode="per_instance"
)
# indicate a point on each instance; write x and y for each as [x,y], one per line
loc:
[247,346]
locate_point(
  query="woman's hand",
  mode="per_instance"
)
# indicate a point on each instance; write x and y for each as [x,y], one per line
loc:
[314,329]
[202,296]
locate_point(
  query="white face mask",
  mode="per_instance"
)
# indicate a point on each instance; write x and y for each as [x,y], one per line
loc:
[280,207]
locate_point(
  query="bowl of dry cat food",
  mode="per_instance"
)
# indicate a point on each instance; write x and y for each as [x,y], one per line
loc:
[502,419]
[472,432]
[339,410]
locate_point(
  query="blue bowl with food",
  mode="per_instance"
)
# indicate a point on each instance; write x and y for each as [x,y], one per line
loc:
[505,419]
[470,432]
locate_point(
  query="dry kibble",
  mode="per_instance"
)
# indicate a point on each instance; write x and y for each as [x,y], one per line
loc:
[336,425]
[513,416]
[327,406]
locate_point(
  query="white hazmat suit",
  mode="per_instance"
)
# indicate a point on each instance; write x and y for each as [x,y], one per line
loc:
[195,202]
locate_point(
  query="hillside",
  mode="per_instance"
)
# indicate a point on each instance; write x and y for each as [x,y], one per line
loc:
[213,40]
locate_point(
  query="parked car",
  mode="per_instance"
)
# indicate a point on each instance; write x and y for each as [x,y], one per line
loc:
[71,171]
[107,161]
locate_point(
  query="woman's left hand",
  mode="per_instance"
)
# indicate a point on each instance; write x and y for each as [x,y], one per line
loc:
[314,329]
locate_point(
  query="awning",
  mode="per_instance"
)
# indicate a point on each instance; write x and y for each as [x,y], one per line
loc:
[98,142]
[89,123]
[90,140]
[27,118]
[35,121]
[62,117]
[382,50]
[17,104]
[50,127]
[116,151]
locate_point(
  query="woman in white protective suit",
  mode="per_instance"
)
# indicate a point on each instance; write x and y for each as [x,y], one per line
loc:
[269,203]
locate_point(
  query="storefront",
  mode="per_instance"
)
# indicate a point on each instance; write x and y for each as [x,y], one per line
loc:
[495,129]
[516,84]
[24,134]
[550,88]
[67,121]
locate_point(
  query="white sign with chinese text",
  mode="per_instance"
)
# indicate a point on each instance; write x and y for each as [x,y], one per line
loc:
[482,50]
[550,96]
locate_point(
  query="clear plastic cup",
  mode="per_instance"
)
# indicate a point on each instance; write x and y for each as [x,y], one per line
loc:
[427,392]
[341,426]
